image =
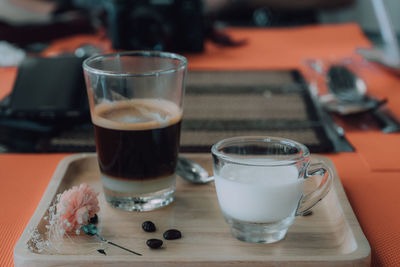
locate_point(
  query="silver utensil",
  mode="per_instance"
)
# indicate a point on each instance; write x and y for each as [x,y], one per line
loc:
[192,172]
[349,92]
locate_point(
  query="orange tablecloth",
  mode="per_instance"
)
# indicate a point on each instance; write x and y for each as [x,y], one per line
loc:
[371,175]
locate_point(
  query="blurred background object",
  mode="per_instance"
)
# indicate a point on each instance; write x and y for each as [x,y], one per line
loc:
[363,12]
[32,24]
[177,25]
[10,55]
[270,13]
[379,20]
[17,12]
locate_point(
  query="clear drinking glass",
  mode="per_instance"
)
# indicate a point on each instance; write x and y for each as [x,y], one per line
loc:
[260,185]
[136,108]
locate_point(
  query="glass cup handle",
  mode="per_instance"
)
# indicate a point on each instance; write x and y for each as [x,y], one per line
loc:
[309,200]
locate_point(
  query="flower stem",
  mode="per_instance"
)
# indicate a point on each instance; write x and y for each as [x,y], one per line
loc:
[116,245]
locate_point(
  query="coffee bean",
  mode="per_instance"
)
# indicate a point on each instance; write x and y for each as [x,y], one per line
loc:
[172,234]
[102,251]
[154,243]
[149,226]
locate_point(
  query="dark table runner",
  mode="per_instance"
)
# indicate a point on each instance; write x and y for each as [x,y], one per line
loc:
[223,104]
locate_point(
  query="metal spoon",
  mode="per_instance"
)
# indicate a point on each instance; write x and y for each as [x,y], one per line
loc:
[350,92]
[192,172]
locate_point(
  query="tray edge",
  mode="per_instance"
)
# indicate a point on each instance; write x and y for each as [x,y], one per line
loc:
[361,255]
[20,252]
[363,251]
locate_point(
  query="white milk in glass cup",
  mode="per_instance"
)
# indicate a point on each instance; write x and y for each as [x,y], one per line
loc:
[260,185]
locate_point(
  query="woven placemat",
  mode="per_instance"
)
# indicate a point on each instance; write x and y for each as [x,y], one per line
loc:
[260,103]
[220,105]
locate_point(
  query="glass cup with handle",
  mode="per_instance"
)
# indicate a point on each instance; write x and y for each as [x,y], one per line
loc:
[136,108]
[260,185]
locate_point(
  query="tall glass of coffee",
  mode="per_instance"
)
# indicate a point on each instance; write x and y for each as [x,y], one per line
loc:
[136,108]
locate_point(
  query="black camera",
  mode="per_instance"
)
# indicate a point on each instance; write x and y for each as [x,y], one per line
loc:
[174,25]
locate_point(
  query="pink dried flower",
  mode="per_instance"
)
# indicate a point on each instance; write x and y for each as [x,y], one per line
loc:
[76,206]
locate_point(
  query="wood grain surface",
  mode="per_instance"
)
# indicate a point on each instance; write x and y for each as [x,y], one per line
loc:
[331,236]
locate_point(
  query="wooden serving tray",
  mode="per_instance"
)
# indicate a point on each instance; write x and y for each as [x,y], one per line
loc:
[331,236]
